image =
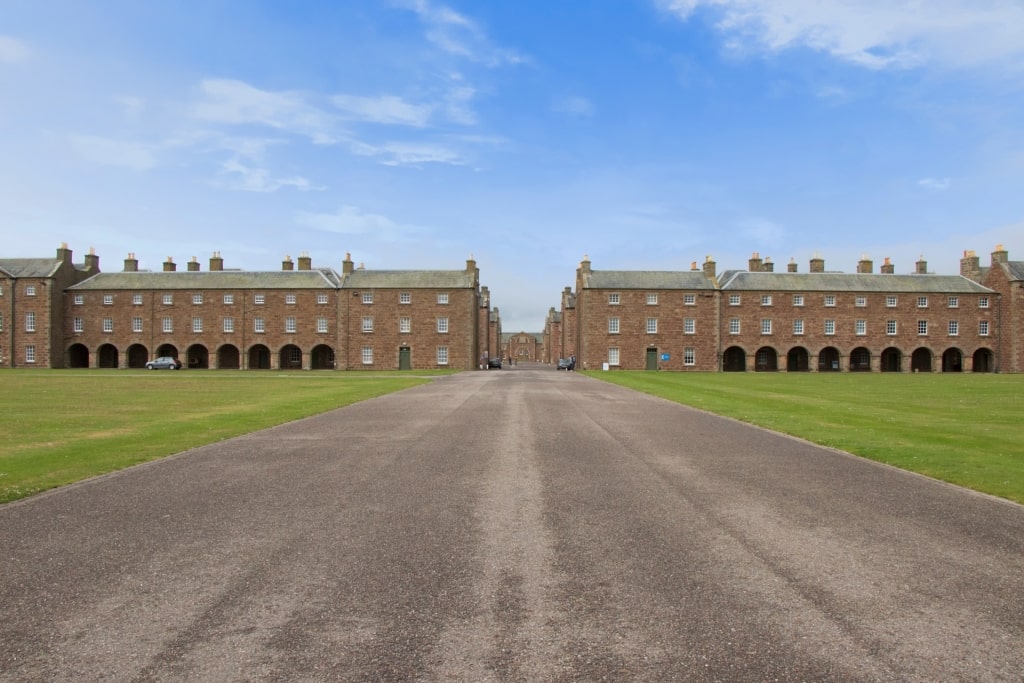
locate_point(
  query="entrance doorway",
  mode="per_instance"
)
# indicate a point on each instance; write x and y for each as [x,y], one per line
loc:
[404,358]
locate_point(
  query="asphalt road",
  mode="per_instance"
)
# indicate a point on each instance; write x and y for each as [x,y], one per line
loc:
[514,525]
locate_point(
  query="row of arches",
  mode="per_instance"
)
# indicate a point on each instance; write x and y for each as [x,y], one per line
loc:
[860,359]
[198,356]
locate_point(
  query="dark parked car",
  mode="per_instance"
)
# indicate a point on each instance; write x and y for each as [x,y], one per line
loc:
[566,363]
[164,363]
[494,363]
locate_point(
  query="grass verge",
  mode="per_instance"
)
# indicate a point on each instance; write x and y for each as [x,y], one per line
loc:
[60,426]
[963,429]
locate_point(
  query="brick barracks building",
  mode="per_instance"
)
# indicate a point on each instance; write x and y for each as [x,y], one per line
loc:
[57,314]
[819,321]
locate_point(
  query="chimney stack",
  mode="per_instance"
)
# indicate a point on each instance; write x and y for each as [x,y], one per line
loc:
[865,265]
[791,266]
[131,264]
[970,265]
[305,262]
[63,253]
[193,265]
[92,261]
[169,265]
[768,266]
[1000,255]
[346,265]
[709,267]
[216,262]
[887,267]
[287,264]
[817,264]
[754,264]
[922,266]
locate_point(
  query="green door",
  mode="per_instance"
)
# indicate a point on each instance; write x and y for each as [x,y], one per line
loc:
[404,358]
[652,359]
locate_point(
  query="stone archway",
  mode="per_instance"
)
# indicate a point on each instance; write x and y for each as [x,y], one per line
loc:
[107,354]
[921,360]
[734,360]
[860,360]
[891,360]
[78,356]
[228,357]
[798,360]
[259,357]
[984,361]
[828,359]
[952,360]
[197,357]
[137,356]
[766,360]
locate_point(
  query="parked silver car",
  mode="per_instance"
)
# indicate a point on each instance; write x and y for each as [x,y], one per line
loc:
[164,363]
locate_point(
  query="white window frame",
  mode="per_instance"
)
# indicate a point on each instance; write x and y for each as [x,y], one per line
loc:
[259,299]
[78,325]
[614,298]
[651,326]
[860,301]
[891,301]
[367,324]
[366,355]
[830,301]
[689,326]
[613,325]
[137,323]
[442,325]
[891,328]
[830,328]
[289,299]
[442,355]
[290,326]
[734,325]
[982,302]
[167,325]
[367,297]
[983,328]
[689,356]
[766,326]
[954,328]
[922,302]
[197,298]
[167,300]
[405,298]
[30,353]
[108,299]
[229,299]
[922,328]
[79,299]
[798,299]
[766,299]
[321,297]
[30,321]
[613,356]
[442,298]
[197,325]
[798,327]
[652,298]
[322,326]
[259,325]
[954,302]
[689,299]
[860,328]
[228,325]
[108,325]
[136,299]
[735,300]
[30,290]
[405,325]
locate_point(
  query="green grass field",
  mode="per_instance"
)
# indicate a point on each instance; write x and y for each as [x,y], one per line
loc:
[60,426]
[964,429]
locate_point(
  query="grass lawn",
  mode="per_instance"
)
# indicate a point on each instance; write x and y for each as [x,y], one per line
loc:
[964,429]
[60,426]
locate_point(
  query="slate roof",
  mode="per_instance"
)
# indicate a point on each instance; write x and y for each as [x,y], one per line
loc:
[30,267]
[850,282]
[646,279]
[219,279]
[1015,269]
[412,279]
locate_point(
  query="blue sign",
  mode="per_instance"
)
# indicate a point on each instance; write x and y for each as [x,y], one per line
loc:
[665,356]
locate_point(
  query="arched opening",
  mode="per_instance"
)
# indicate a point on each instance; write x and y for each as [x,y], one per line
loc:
[860,360]
[952,361]
[921,361]
[78,356]
[107,356]
[259,357]
[228,357]
[766,360]
[291,357]
[828,359]
[322,357]
[137,356]
[165,350]
[984,361]
[891,360]
[798,360]
[197,357]
[734,360]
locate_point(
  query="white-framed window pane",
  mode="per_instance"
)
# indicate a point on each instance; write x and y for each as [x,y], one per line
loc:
[922,302]
[367,355]
[259,325]
[136,324]
[613,299]
[295,357]
[259,299]
[689,356]
[30,354]
[766,326]
[108,299]
[405,297]
[766,299]
[798,299]
[167,325]
[79,299]
[442,298]
[954,302]
[922,327]
[798,327]
[137,299]
[954,328]
[860,301]
[30,290]
[890,327]
[405,325]
[442,325]
[982,302]
[442,355]
[613,356]
[289,324]
[830,300]
[229,325]
[197,324]
[689,299]
[321,324]
[79,325]
[689,325]
[652,298]
[983,328]
[613,325]
[860,328]
[367,324]
[108,324]
[830,327]
[734,299]
[229,299]
[197,298]
[167,299]
[321,298]
[734,326]
[890,302]
[367,297]
[289,299]
[652,326]
[30,322]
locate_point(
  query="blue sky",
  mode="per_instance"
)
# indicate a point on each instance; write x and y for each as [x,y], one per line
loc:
[647,134]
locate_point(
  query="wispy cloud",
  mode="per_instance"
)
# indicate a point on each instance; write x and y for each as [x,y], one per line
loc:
[238,103]
[352,220]
[574,106]
[386,109]
[872,33]
[236,175]
[12,50]
[934,184]
[458,35]
[109,152]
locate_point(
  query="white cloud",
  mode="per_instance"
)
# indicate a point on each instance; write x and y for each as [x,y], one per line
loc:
[253,179]
[873,33]
[12,50]
[934,184]
[458,35]
[237,103]
[351,220]
[107,152]
[386,109]
[132,106]
[575,106]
